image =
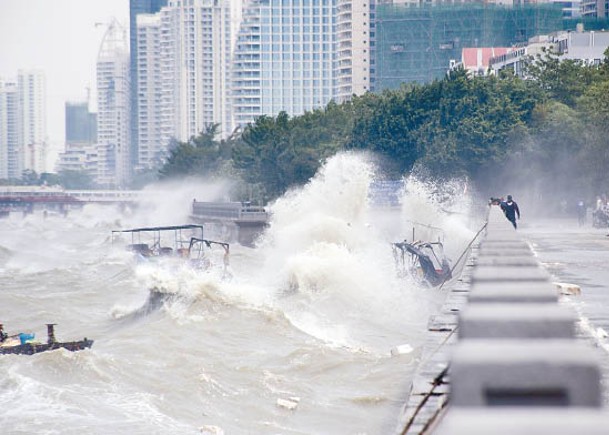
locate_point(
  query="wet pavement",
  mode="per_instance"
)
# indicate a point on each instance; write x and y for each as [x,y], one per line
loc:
[578,255]
[572,254]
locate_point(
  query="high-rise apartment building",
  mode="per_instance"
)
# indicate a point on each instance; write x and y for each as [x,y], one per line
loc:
[9,131]
[32,101]
[247,68]
[353,27]
[594,8]
[137,7]
[23,144]
[81,140]
[416,44]
[151,145]
[196,46]
[288,46]
[183,73]
[81,124]
[113,105]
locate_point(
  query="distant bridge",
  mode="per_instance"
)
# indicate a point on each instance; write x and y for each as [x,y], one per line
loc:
[22,198]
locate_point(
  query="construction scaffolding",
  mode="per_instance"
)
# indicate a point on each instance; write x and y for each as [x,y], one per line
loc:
[417,44]
[588,23]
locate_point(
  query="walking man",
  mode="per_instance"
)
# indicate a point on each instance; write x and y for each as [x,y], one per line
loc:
[511,210]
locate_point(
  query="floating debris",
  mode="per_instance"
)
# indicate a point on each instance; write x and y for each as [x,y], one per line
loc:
[211,430]
[568,289]
[290,403]
[402,349]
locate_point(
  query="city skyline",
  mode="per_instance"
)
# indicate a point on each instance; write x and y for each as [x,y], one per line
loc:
[61,39]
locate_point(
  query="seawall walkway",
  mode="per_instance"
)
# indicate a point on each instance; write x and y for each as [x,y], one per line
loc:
[504,356]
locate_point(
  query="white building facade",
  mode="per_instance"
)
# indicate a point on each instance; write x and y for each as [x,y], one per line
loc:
[586,47]
[298,55]
[183,73]
[113,118]
[293,61]
[32,120]
[196,45]
[151,148]
[80,154]
[23,138]
[353,60]
[246,67]
[9,131]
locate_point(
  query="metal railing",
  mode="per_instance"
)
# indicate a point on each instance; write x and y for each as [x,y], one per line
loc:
[230,211]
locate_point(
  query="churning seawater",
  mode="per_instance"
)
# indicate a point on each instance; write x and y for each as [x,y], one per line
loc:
[311,313]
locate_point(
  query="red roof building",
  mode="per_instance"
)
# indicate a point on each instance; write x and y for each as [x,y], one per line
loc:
[477,60]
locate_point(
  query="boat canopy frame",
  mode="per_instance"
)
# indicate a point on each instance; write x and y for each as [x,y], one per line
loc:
[426,257]
[192,244]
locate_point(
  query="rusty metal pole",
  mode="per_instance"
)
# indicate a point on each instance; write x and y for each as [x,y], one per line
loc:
[51,333]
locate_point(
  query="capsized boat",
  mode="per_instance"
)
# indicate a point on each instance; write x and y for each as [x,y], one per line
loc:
[25,344]
[424,261]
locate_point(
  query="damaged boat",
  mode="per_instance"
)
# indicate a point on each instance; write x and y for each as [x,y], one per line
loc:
[25,344]
[182,242]
[424,261]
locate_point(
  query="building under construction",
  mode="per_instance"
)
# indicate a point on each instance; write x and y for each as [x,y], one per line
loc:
[417,44]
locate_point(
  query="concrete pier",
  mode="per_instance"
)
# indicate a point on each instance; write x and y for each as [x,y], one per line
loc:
[233,221]
[503,356]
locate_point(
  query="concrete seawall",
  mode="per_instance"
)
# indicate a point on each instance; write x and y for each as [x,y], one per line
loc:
[503,356]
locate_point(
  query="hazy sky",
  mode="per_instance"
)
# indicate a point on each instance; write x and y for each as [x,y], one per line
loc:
[60,38]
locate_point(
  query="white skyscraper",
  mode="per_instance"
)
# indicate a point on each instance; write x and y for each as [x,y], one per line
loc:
[32,100]
[246,67]
[23,143]
[113,117]
[298,55]
[291,43]
[196,42]
[151,145]
[9,131]
[352,49]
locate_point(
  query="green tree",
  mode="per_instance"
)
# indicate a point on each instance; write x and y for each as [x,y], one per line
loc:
[30,178]
[453,126]
[594,109]
[277,153]
[49,179]
[76,180]
[563,80]
[202,155]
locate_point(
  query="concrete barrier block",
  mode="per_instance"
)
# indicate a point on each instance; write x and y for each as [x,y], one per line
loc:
[508,260]
[502,225]
[490,243]
[483,273]
[502,252]
[516,320]
[524,373]
[527,292]
[523,421]
[500,233]
[495,214]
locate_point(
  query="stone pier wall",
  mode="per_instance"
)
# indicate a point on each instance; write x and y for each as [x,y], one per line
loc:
[502,357]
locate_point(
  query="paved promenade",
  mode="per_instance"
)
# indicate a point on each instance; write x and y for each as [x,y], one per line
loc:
[548,356]
[578,255]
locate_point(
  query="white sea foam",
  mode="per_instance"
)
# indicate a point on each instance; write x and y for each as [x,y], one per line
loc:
[311,312]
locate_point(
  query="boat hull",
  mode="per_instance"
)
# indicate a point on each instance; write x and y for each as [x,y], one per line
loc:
[32,348]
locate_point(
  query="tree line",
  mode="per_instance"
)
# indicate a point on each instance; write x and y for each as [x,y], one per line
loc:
[550,129]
